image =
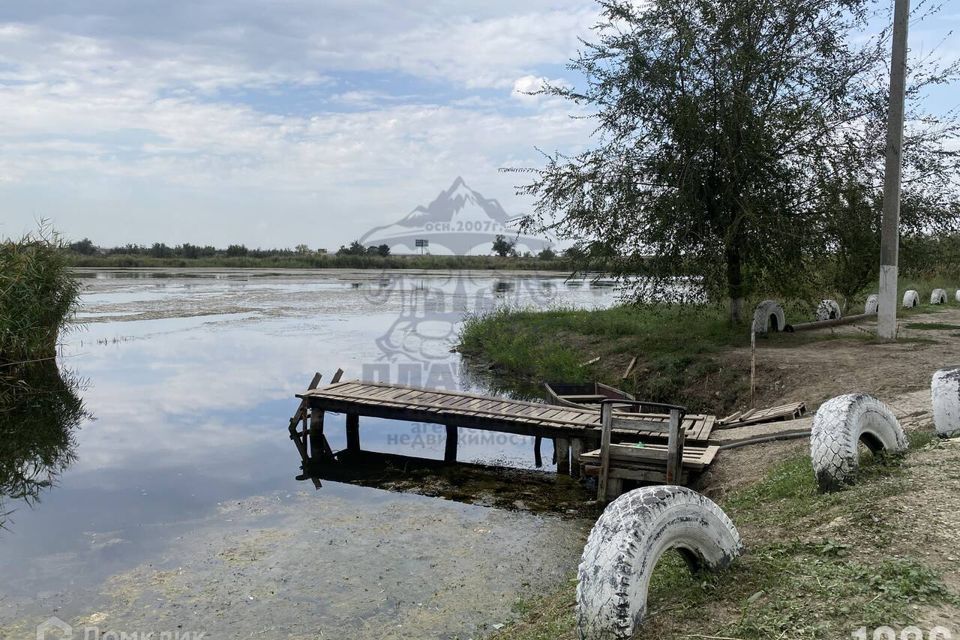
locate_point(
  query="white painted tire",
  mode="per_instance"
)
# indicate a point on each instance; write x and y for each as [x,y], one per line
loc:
[840,425]
[910,299]
[938,296]
[873,303]
[627,541]
[828,310]
[957,296]
[768,316]
[945,394]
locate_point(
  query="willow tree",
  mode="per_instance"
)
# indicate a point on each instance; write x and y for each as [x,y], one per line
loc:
[719,123]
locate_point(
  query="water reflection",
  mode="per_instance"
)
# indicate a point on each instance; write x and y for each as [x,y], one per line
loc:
[40,410]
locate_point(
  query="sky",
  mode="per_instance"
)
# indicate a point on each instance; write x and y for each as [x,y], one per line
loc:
[276,123]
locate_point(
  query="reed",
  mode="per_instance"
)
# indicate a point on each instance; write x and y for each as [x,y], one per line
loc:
[38,297]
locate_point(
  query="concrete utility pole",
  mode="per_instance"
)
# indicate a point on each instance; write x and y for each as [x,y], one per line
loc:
[890,238]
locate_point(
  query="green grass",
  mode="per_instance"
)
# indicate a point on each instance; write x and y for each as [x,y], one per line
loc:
[794,581]
[674,346]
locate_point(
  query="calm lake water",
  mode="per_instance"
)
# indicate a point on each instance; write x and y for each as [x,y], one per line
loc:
[180,509]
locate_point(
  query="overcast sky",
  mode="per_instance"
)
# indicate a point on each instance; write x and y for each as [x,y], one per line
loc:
[272,123]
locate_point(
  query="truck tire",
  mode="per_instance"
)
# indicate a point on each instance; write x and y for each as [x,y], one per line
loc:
[945,394]
[627,542]
[873,303]
[938,296]
[840,425]
[768,316]
[828,310]
[910,299]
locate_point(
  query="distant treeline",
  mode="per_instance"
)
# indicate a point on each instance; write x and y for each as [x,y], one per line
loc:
[85,253]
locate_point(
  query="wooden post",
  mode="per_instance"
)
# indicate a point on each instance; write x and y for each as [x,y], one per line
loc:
[450,445]
[537,457]
[353,432]
[614,488]
[562,448]
[606,418]
[674,449]
[576,448]
[316,434]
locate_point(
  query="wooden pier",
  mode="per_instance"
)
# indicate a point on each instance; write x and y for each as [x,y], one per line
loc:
[575,432]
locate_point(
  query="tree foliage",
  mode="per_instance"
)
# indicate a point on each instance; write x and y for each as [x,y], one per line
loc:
[740,143]
[503,247]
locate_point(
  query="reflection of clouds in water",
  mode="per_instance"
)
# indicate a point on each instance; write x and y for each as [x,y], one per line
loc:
[223,383]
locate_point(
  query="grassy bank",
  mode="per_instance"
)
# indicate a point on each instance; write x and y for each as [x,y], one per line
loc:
[675,349]
[37,298]
[322,261]
[683,353]
[817,565]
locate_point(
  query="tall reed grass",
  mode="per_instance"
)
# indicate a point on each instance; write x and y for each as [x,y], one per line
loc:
[38,296]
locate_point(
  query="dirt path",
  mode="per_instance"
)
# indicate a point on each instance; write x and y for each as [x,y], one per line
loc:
[816,366]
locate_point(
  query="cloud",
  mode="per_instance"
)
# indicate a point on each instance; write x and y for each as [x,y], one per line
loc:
[525,88]
[133,127]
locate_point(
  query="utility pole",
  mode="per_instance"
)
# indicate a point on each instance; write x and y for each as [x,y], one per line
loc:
[890,238]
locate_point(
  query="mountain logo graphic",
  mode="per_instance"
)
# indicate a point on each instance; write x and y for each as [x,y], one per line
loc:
[459,220]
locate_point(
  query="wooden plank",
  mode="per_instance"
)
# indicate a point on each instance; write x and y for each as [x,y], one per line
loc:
[337,375]
[629,369]
[587,397]
[639,475]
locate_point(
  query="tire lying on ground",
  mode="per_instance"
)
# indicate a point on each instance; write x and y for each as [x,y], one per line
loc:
[828,310]
[627,541]
[945,395]
[910,299]
[768,316]
[938,296]
[840,425]
[873,303]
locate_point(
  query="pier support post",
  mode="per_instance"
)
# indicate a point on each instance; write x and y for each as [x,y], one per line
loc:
[537,457]
[450,445]
[614,488]
[353,432]
[316,433]
[562,448]
[576,448]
